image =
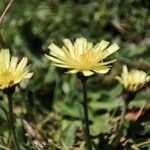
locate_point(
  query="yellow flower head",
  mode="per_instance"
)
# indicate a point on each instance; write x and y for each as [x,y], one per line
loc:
[82,56]
[12,72]
[134,80]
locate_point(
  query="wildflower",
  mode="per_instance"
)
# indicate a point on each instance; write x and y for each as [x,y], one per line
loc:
[82,56]
[134,80]
[12,72]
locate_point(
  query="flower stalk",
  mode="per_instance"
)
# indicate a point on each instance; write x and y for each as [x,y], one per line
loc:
[127,98]
[86,116]
[11,120]
[123,114]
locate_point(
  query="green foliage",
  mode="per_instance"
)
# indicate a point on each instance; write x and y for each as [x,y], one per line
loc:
[68,136]
[51,104]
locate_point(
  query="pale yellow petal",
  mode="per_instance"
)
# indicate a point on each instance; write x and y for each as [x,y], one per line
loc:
[1,87]
[22,75]
[85,44]
[106,63]
[147,78]
[13,63]
[101,70]
[22,63]
[61,65]
[124,73]
[55,50]
[110,50]
[89,46]
[18,79]
[29,75]
[1,55]
[72,71]
[5,57]
[79,45]
[101,46]
[87,72]
[54,59]
[69,46]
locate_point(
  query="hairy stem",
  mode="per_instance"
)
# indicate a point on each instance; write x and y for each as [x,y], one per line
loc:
[119,126]
[86,117]
[123,114]
[11,120]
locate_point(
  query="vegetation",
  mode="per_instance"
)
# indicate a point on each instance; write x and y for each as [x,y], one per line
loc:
[48,107]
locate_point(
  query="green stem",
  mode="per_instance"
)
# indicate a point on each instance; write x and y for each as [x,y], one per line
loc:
[119,127]
[123,114]
[4,148]
[11,120]
[143,143]
[86,117]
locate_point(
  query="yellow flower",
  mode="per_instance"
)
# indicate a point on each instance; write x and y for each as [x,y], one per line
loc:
[82,56]
[134,80]
[12,72]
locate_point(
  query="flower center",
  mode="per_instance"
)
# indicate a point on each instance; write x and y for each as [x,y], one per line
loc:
[84,61]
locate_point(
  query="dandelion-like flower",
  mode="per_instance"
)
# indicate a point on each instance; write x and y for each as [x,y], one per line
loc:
[134,80]
[82,56]
[12,72]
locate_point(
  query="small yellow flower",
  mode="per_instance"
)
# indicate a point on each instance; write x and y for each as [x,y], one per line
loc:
[82,56]
[12,72]
[134,80]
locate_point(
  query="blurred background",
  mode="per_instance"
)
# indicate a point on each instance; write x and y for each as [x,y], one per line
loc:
[50,105]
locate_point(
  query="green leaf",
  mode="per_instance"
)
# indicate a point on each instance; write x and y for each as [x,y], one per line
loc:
[100,124]
[72,109]
[68,136]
